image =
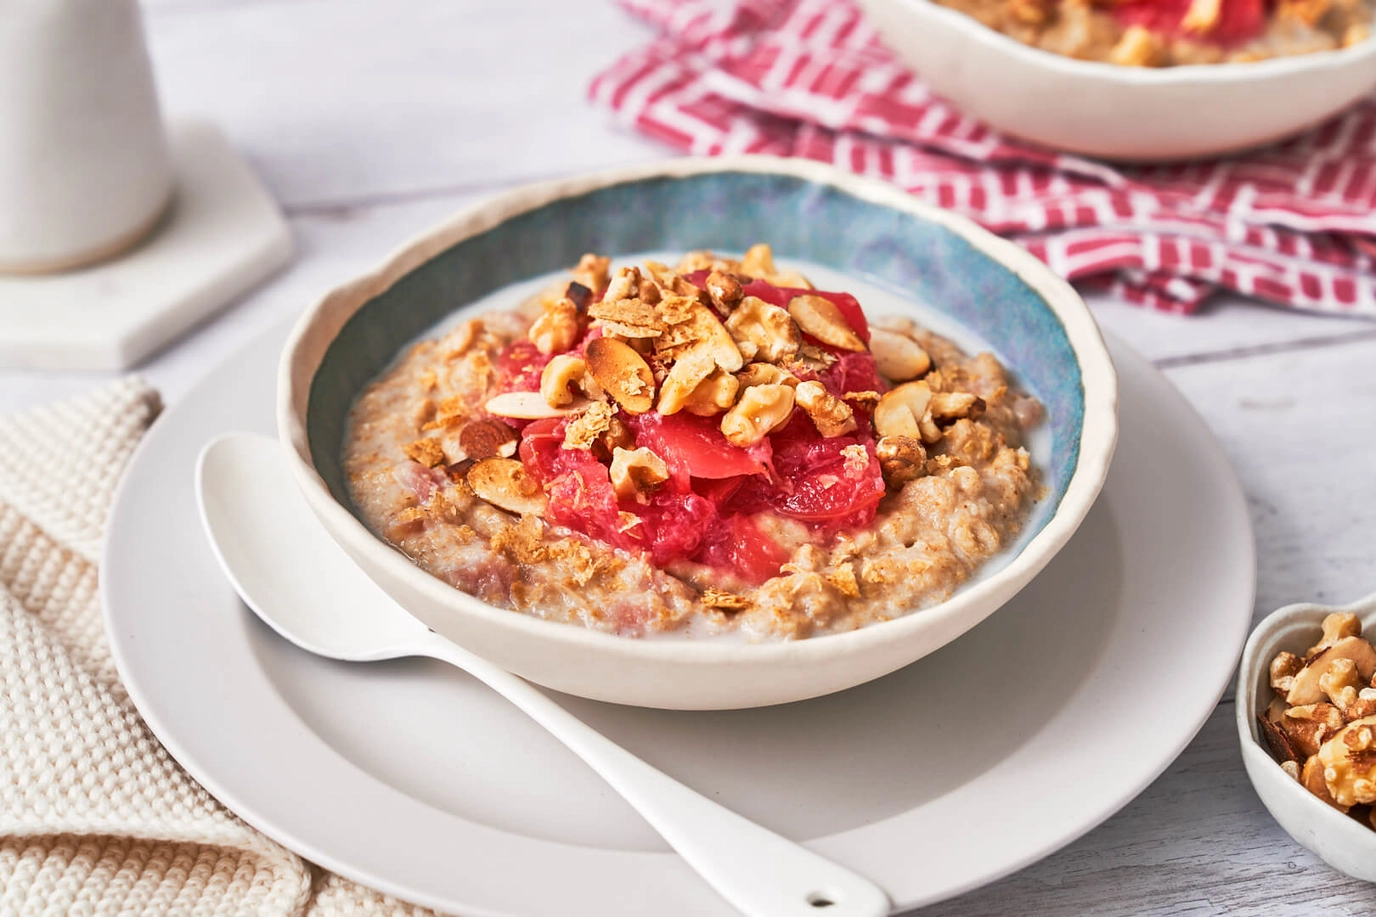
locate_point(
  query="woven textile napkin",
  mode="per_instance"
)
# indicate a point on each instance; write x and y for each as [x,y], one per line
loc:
[1294,224]
[95,817]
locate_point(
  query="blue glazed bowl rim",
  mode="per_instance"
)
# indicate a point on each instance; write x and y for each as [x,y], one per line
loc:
[320,324]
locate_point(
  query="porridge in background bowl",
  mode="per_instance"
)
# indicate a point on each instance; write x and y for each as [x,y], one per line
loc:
[1163,33]
[715,448]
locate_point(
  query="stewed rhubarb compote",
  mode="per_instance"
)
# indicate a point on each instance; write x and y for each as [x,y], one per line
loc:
[706,449]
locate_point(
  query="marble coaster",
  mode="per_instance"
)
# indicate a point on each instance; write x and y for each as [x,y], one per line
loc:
[222,235]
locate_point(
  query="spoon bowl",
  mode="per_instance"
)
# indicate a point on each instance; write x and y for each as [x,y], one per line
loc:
[288,571]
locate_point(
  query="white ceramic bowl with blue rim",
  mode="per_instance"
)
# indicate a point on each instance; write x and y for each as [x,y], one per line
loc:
[1115,112]
[1340,841]
[808,211]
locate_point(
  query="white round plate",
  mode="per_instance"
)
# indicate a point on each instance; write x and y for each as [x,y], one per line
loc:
[969,764]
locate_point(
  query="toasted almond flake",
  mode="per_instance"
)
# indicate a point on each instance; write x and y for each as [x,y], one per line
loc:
[703,332]
[530,406]
[629,313]
[898,357]
[623,374]
[505,484]
[822,318]
[899,411]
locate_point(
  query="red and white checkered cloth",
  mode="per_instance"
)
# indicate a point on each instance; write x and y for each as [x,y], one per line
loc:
[1294,224]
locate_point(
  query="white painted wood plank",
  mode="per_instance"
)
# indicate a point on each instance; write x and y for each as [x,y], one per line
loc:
[355,99]
[1197,841]
[1300,428]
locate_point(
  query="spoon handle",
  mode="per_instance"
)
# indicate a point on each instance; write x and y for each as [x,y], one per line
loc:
[758,871]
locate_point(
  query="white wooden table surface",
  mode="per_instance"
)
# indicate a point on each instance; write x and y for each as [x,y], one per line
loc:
[372,119]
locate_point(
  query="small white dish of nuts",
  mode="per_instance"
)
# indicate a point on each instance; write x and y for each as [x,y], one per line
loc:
[1306,716]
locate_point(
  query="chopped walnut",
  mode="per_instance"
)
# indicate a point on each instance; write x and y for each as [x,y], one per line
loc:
[763,332]
[592,272]
[948,406]
[761,410]
[1349,763]
[557,327]
[830,415]
[1284,668]
[902,459]
[635,472]
[1321,725]
[1336,626]
[765,374]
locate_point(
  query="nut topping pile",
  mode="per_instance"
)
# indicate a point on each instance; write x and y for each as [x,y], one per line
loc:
[720,416]
[1321,725]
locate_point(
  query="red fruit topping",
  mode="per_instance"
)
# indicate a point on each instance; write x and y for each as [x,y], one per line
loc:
[1238,21]
[714,507]
[695,446]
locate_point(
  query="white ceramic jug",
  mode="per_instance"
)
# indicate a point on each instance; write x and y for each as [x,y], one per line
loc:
[84,166]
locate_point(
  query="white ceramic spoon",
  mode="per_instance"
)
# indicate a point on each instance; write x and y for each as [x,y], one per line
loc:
[288,570]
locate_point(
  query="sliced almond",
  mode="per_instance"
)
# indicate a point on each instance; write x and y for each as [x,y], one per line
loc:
[530,406]
[505,484]
[898,357]
[484,439]
[899,410]
[822,318]
[622,373]
[1307,689]
[703,332]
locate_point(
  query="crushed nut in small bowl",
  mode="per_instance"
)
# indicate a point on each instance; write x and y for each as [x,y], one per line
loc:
[1307,702]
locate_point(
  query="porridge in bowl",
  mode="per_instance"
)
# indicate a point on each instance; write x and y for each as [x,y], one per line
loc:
[715,448]
[1162,33]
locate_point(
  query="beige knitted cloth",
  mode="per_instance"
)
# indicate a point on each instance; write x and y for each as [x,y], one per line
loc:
[95,817]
